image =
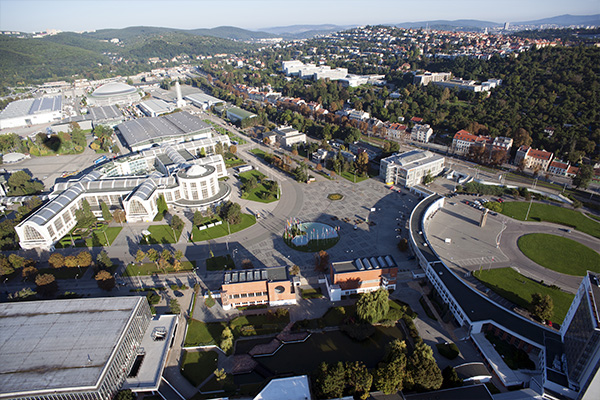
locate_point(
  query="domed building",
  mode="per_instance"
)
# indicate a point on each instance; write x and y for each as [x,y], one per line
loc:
[114,93]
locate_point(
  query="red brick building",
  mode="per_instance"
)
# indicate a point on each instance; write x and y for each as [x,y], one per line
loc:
[361,275]
[270,286]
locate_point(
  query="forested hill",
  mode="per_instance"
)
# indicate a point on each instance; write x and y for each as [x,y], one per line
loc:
[91,56]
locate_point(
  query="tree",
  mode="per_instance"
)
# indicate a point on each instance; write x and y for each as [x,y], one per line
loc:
[20,183]
[424,372]
[16,261]
[56,260]
[105,212]
[247,263]
[427,179]
[389,376]
[450,378]
[232,149]
[198,218]
[266,141]
[219,148]
[362,163]
[358,379]
[84,258]
[84,216]
[165,258]
[521,138]
[29,272]
[176,223]
[330,380]
[5,266]
[542,306]
[46,284]
[174,306]
[294,270]
[232,213]
[372,307]
[321,261]
[178,255]
[71,261]
[249,184]
[119,216]
[152,255]
[583,177]
[226,340]
[161,205]
[105,280]
[220,374]
[104,260]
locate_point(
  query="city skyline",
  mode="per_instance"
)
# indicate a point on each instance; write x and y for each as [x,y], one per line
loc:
[71,15]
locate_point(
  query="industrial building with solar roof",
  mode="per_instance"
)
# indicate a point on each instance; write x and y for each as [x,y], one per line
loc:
[81,348]
[177,171]
[27,112]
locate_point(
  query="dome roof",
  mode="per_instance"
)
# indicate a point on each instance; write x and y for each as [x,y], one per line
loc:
[113,89]
[196,170]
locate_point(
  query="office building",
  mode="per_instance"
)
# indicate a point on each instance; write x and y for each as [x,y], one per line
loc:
[408,169]
[288,136]
[80,349]
[532,158]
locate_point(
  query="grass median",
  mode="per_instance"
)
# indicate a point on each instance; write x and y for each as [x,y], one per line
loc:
[518,289]
[559,254]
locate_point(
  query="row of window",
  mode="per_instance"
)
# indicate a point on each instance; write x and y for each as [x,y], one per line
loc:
[243,295]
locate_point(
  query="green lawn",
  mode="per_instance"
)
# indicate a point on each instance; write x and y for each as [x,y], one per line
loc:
[351,177]
[196,366]
[559,254]
[596,217]
[219,263]
[258,152]
[311,293]
[201,333]
[64,272]
[255,194]
[100,238]
[550,213]
[221,230]
[518,289]
[261,324]
[150,268]
[233,162]
[161,234]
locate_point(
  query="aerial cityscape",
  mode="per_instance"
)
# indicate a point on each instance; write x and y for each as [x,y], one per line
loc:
[270,200]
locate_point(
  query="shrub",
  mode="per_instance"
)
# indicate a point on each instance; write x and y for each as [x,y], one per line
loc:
[358,332]
[448,350]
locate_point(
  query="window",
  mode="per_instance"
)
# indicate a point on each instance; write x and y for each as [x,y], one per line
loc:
[135,207]
[58,224]
[32,234]
[169,197]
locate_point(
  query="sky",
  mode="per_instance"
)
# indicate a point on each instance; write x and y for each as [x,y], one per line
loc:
[81,15]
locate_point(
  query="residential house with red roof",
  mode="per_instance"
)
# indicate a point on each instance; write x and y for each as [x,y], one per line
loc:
[533,158]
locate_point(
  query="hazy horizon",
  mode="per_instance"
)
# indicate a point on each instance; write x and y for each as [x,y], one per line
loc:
[87,15]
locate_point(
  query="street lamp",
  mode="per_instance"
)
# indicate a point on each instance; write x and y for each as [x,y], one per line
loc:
[139,279]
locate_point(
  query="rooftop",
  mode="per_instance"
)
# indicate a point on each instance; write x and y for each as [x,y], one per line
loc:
[292,388]
[113,89]
[265,274]
[21,108]
[52,344]
[143,130]
[104,113]
[476,392]
[413,158]
[361,264]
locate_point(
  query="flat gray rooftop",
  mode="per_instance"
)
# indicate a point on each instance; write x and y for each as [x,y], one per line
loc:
[54,344]
[104,113]
[265,274]
[147,129]
[21,108]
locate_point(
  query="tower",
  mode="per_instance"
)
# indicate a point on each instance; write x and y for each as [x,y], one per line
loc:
[180,102]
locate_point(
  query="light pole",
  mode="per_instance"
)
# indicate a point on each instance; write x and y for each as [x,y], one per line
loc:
[528,208]
[105,237]
[139,279]
[228,234]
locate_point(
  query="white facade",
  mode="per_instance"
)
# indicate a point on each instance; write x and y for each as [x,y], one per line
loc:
[31,112]
[421,133]
[408,169]
[170,171]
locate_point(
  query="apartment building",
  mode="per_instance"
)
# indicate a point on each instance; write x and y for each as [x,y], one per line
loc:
[533,158]
[421,133]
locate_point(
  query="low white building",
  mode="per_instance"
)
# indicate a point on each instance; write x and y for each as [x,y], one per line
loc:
[28,112]
[155,107]
[408,169]
[288,136]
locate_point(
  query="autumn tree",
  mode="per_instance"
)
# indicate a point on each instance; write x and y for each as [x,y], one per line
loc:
[105,280]
[362,163]
[71,261]
[46,284]
[56,260]
[139,256]
[321,261]
[84,258]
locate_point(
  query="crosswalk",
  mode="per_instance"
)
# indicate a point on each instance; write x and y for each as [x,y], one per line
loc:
[484,261]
